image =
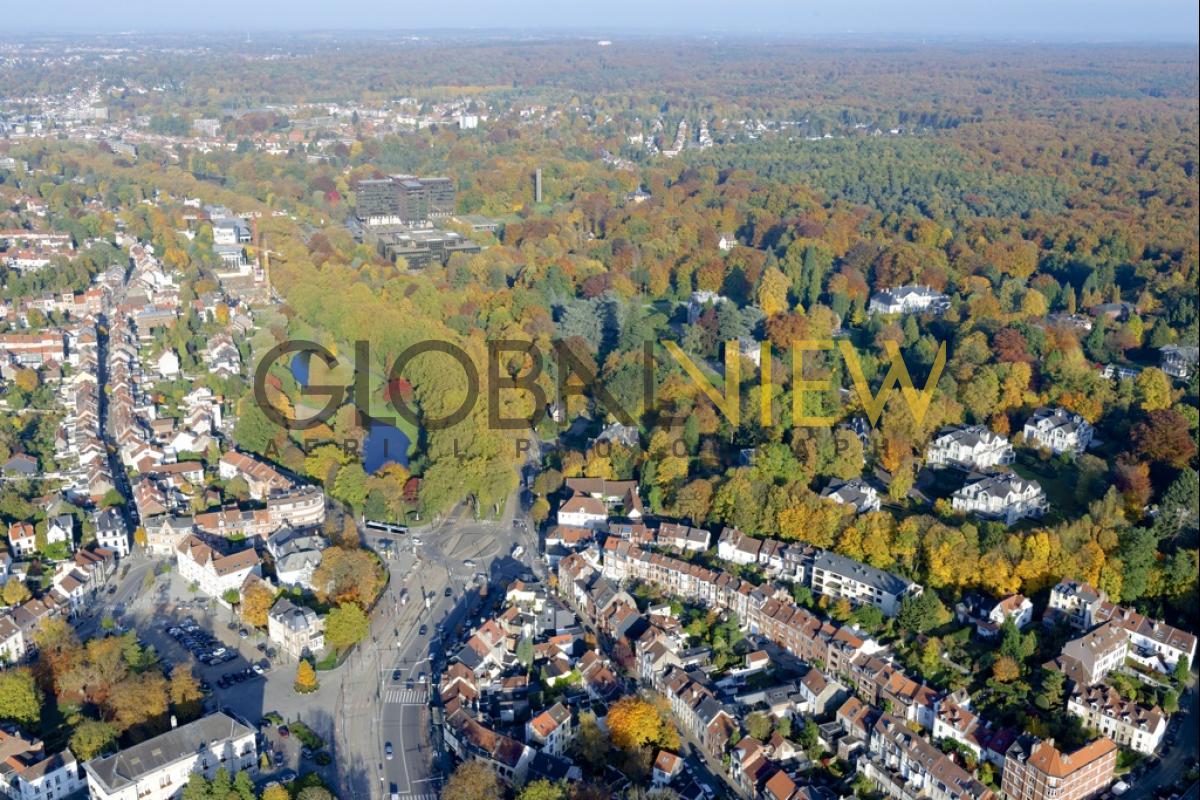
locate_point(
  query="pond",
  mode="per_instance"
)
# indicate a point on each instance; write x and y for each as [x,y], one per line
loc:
[385,443]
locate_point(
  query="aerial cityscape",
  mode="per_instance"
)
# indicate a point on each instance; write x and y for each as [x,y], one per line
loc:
[604,411]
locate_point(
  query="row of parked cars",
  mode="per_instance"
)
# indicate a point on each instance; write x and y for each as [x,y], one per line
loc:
[203,646]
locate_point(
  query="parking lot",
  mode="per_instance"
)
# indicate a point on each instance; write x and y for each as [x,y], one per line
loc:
[239,669]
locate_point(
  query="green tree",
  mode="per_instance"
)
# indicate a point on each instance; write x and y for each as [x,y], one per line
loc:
[525,652]
[345,626]
[91,738]
[543,790]
[20,697]
[758,725]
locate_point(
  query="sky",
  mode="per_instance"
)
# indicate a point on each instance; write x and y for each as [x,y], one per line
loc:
[1041,20]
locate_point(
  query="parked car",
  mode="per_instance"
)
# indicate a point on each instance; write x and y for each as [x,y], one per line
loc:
[284,732]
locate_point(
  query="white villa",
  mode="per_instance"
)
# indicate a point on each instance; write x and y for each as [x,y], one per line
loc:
[1059,431]
[1006,497]
[969,447]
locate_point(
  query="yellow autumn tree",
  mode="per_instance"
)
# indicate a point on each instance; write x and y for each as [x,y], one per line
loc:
[306,678]
[256,602]
[633,722]
[773,292]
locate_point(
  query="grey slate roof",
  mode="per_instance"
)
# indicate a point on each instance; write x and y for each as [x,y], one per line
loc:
[126,767]
[863,573]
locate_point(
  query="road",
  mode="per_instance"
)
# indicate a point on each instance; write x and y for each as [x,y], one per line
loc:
[400,715]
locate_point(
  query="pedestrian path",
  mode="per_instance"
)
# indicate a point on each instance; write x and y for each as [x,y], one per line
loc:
[405,696]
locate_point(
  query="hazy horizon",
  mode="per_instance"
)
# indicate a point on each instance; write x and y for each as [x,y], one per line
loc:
[1172,21]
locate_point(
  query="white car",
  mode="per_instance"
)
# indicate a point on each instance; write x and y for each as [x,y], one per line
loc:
[518,551]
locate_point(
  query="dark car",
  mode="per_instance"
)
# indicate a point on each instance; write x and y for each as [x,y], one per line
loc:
[396,675]
[448,591]
[284,732]
[408,684]
[423,630]
[278,758]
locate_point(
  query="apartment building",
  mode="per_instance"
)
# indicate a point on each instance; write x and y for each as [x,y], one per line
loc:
[159,768]
[214,573]
[551,730]
[1005,497]
[1096,653]
[969,447]
[1059,431]
[1102,708]
[1036,770]
[836,576]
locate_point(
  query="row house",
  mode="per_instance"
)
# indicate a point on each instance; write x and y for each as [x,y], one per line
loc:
[469,739]
[698,711]
[761,610]
[236,523]
[879,681]
[956,721]
[297,507]
[681,537]
[907,766]
[1153,643]
[1126,722]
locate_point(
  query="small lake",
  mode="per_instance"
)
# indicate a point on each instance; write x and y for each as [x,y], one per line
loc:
[385,444]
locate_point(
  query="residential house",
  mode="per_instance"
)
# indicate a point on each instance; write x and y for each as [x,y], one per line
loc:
[296,555]
[856,493]
[296,629]
[1016,607]
[22,539]
[28,772]
[1096,653]
[1179,361]
[111,532]
[551,730]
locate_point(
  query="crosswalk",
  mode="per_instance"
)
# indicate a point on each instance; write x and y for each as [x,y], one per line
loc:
[405,696]
[417,796]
